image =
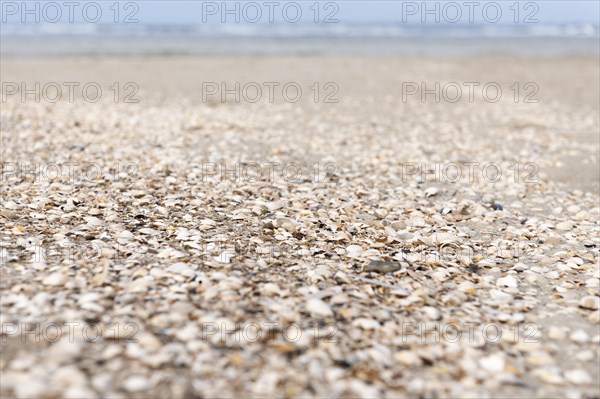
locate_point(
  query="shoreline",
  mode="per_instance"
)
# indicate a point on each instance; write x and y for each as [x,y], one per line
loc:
[69,45]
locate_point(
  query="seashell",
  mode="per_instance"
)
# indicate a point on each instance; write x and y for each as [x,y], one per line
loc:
[55,279]
[590,302]
[318,307]
[380,266]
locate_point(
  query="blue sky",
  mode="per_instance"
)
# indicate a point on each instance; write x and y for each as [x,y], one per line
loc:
[353,11]
[348,11]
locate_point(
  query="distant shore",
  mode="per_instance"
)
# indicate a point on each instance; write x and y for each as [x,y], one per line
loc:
[180,44]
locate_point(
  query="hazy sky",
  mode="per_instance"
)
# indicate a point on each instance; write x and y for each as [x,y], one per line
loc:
[546,11]
[350,11]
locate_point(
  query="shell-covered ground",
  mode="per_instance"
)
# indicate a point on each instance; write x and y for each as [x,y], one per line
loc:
[383,245]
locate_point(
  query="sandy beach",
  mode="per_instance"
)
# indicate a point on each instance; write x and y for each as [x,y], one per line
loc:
[324,228]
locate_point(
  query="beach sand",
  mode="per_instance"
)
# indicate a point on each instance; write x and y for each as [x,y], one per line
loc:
[160,225]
